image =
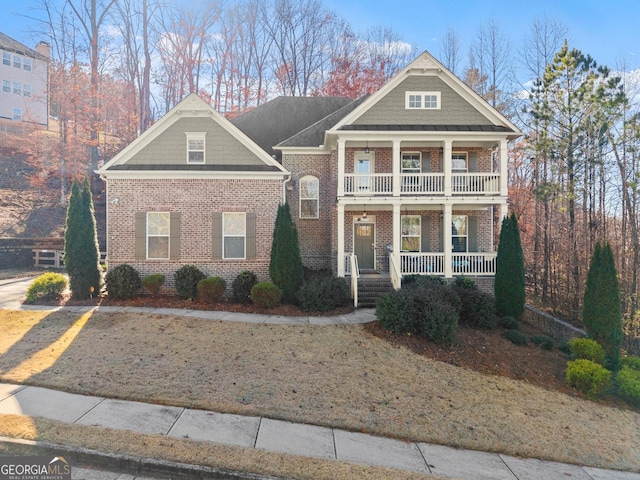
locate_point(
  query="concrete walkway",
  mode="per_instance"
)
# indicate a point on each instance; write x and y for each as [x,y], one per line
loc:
[285,437]
[268,434]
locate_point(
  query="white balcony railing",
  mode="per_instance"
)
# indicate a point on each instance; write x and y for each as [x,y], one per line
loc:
[381,184]
[473,264]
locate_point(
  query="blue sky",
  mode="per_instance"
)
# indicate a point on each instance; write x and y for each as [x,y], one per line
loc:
[608,30]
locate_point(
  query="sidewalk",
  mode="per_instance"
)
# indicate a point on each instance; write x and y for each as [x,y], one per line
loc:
[268,434]
[285,437]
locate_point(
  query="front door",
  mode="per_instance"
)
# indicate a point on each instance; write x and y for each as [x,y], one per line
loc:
[363,166]
[363,245]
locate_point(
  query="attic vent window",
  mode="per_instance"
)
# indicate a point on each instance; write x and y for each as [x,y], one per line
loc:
[195,147]
[422,100]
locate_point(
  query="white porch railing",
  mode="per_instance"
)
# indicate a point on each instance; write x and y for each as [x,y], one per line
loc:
[394,273]
[484,183]
[381,184]
[355,274]
[473,264]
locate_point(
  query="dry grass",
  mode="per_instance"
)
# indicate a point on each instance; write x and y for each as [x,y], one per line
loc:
[192,452]
[339,376]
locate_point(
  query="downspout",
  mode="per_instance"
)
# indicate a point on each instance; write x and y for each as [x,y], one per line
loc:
[284,189]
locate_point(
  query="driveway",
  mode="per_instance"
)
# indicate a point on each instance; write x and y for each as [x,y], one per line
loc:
[13,291]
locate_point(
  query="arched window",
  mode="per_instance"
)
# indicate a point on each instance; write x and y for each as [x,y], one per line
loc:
[309,197]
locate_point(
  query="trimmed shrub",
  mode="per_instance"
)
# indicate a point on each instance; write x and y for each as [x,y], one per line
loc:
[266,295]
[631,362]
[478,307]
[516,337]
[211,289]
[509,322]
[628,380]
[123,281]
[394,310]
[585,348]
[186,279]
[153,282]
[422,281]
[588,377]
[322,294]
[437,320]
[242,285]
[285,267]
[543,341]
[48,286]
[465,282]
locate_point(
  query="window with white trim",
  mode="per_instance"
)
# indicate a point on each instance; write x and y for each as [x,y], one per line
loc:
[411,162]
[459,233]
[17,61]
[195,147]
[6,58]
[234,229]
[411,231]
[459,162]
[309,197]
[26,90]
[158,231]
[422,100]
[6,86]
[17,88]
[26,64]
[17,114]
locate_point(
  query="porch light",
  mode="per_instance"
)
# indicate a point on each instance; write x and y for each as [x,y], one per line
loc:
[364,214]
[366,150]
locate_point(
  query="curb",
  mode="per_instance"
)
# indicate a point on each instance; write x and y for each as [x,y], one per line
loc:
[121,463]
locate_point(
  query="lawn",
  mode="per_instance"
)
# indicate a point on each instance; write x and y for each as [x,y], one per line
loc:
[350,377]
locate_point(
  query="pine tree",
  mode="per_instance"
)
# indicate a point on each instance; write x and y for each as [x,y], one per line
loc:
[509,279]
[285,268]
[82,252]
[601,308]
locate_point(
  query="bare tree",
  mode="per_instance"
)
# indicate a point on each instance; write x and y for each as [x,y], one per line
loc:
[450,50]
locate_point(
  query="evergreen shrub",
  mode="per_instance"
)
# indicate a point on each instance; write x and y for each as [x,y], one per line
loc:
[465,282]
[153,282]
[631,362]
[211,290]
[588,349]
[478,307]
[48,286]
[589,377]
[266,295]
[394,310]
[285,268]
[543,341]
[509,281]
[186,279]
[123,281]
[628,380]
[322,294]
[242,285]
[516,337]
[509,322]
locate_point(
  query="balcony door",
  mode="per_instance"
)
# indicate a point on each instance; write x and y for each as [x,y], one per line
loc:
[363,244]
[363,165]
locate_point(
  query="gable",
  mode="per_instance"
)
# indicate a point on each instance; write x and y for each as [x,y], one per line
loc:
[390,109]
[170,148]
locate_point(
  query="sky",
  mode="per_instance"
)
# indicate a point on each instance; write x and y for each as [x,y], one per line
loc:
[608,30]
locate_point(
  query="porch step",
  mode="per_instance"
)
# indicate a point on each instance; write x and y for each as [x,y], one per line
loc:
[370,289]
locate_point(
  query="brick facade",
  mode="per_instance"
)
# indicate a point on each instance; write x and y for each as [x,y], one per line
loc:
[196,200]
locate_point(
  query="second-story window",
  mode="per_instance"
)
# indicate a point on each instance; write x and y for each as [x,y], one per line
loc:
[422,100]
[6,86]
[26,90]
[195,147]
[17,88]
[17,61]
[6,58]
[26,64]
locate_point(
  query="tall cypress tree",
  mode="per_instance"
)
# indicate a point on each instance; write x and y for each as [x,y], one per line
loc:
[601,309]
[285,268]
[82,252]
[509,280]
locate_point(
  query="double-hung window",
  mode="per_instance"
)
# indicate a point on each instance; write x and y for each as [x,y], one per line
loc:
[196,147]
[233,235]
[309,197]
[26,64]
[17,61]
[26,90]
[422,100]
[459,233]
[158,232]
[17,114]
[411,168]
[6,58]
[411,233]
[17,88]
[6,86]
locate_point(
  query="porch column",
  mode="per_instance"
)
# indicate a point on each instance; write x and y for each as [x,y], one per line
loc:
[340,240]
[446,167]
[504,211]
[396,239]
[503,152]
[447,243]
[341,155]
[396,168]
